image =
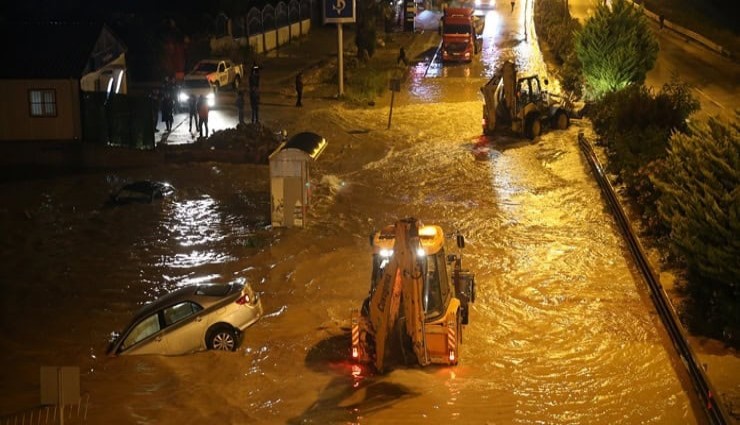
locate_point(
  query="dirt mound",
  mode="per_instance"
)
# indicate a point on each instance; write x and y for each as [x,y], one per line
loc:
[248,143]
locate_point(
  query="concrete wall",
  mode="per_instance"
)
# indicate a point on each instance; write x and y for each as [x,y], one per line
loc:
[16,122]
[262,43]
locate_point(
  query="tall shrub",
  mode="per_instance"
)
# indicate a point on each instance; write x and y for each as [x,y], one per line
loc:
[700,203]
[616,47]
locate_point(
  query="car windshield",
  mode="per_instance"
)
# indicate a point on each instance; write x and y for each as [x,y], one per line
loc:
[200,83]
[456,29]
[206,67]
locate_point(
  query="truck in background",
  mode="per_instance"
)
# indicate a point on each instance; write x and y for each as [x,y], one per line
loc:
[461,34]
[207,78]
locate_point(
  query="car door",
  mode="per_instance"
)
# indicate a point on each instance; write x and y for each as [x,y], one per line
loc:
[222,75]
[145,337]
[184,328]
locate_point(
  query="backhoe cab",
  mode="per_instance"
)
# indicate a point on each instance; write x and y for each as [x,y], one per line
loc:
[419,298]
[522,104]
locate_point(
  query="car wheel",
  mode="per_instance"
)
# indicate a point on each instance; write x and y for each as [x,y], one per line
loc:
[222,339]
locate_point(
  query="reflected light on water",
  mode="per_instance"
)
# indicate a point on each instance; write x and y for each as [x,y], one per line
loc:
[196,222]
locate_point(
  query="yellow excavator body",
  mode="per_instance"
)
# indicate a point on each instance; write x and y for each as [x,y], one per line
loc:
[413,293]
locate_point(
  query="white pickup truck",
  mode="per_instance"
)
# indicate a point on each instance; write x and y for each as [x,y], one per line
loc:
[220,72]
[208,77]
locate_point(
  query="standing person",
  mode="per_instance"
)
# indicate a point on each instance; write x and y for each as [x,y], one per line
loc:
[203,110]
[254,76]
[240,105]
[512,6]
[192,112]
[168,87]
[154,96]
[254,103]
[299,89]
[661,18]
[167,110]
[402,57]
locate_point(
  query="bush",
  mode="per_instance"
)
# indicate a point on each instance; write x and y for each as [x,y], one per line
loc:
[557,29]
[700,204]
[635,126]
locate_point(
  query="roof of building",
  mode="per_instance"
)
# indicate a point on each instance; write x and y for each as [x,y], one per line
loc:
[47,50]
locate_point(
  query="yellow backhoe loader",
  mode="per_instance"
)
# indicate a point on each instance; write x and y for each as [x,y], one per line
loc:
[419,298]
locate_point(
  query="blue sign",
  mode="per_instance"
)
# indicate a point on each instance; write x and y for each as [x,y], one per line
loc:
[339,11]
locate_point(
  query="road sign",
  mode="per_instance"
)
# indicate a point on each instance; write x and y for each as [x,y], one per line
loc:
[339,11]
[395,84]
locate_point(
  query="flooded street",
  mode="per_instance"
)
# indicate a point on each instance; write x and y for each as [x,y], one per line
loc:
[562,331]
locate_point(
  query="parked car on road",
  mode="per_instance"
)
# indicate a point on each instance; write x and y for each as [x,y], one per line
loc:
[142,192]
[189,319]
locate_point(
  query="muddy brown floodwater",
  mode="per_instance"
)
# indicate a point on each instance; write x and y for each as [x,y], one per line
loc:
[562,331]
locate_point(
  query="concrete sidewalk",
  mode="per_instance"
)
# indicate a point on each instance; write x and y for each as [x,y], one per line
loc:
[316,56]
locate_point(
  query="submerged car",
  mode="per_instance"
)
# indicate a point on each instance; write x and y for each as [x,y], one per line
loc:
[142,192]
[189,319]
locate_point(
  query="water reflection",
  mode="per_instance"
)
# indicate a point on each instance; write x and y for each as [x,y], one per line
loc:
[196,222]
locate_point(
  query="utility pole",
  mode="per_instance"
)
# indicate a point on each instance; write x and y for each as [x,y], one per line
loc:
[340,58]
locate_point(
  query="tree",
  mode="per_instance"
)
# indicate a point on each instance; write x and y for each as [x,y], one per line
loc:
[700,198]
[616,48]
[700,203]
[368,13]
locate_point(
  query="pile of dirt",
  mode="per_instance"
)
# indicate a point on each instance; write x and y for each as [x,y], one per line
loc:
[247,143]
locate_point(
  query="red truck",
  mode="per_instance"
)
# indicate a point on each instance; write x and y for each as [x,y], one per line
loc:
[461,34]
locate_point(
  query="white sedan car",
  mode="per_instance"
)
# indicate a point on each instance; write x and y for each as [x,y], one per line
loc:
[190,319]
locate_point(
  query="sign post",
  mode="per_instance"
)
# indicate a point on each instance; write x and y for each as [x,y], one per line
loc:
[339,12]
[395,86]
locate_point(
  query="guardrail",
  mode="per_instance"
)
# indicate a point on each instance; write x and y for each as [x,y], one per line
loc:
[705,391]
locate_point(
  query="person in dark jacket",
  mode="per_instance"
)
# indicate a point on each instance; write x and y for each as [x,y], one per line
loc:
[240,106]
[299,89]
[402,57]
[168,106]
[254,103]
[203,110]
[192,112]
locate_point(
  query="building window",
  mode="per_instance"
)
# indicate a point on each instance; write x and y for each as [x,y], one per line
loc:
[43,103]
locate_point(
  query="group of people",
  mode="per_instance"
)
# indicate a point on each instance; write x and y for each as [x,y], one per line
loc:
[198,108]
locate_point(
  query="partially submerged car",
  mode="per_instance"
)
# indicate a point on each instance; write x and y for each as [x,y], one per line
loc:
[141,191]
[190,319]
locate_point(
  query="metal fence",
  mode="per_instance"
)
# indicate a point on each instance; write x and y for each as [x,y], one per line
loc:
[73,414]
[269,18]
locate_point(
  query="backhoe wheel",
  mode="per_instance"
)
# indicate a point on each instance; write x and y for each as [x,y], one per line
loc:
[561,120]
[532,126]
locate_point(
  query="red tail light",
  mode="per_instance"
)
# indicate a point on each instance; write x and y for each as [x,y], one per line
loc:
[244,299]
[355,353]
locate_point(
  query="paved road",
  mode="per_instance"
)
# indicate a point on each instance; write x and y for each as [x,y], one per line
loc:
[714,77]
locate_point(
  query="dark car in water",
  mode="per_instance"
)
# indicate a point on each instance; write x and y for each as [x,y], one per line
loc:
[141,192]
[189,319]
